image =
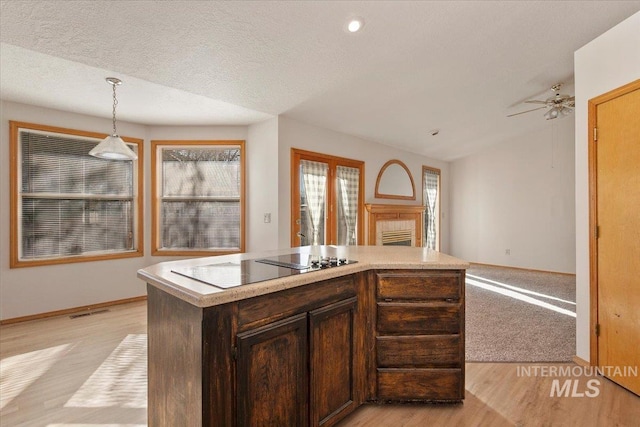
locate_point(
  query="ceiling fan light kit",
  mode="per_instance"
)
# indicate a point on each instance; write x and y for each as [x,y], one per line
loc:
[551,114]
[559,105]
[556,112]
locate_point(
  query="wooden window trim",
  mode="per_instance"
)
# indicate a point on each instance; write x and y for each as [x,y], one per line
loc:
[333,161]
[14,256]
[155,204]
[379,195]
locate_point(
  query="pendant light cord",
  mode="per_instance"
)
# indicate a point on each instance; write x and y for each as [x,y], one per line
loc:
[115,102]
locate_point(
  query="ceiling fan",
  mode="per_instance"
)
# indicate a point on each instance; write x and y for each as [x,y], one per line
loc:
[559,105]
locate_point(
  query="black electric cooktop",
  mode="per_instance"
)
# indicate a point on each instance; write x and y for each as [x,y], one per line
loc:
[231,274]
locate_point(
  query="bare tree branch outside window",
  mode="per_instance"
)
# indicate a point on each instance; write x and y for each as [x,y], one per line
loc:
[200,198]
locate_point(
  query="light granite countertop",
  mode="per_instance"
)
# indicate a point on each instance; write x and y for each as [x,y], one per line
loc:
[368,257]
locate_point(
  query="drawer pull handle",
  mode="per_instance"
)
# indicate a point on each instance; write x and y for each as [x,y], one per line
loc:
[388,299]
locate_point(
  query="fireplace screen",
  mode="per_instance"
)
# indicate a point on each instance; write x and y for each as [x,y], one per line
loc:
[397,238]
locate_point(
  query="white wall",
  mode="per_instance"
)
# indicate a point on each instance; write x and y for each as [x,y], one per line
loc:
[262,197]
[608,62]
[517,196]
[295,134]
[33,290]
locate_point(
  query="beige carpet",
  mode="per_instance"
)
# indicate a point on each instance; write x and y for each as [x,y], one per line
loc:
[517,315]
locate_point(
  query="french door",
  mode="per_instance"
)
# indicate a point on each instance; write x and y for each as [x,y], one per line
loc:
[327,199]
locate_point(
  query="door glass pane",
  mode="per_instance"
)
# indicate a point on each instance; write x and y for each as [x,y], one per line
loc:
[431,181]
[313,201]
[348,180]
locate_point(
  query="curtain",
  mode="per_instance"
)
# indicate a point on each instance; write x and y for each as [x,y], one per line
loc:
[314,175]
[430,199]
[348,183]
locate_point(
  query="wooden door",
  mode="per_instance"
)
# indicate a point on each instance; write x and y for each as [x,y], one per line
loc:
[327,199]
[616,222]
[272,376]
[332,370]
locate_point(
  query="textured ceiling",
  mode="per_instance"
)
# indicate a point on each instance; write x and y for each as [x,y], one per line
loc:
[460,67]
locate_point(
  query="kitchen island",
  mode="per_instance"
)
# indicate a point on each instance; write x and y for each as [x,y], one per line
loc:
[306,344]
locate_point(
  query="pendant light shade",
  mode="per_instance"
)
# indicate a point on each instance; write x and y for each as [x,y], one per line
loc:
[113,147]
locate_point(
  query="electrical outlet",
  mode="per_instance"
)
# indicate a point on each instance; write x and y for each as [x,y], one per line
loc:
[507,251]
[267,217]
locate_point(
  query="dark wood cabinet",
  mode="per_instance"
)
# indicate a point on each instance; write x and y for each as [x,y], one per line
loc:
[332,362]
[420,335]
[298,371]
[275,363]
[308,355]
[272,374]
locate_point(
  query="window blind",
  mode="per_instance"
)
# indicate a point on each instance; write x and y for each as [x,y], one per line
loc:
[72,203]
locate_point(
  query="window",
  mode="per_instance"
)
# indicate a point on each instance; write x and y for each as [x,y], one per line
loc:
[431,202]
[198,197]
[67,206]
[327,200]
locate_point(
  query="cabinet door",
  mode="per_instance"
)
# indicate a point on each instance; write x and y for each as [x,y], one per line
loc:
[272,374]
[332,369]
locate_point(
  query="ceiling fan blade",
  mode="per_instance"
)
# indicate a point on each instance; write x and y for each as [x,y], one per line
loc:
[528,111]
[535,101]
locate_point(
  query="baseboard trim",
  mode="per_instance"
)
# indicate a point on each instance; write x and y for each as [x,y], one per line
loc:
[580,361]
[71,310]
[524,269]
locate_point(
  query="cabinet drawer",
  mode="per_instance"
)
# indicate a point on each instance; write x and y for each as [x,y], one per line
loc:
[420,384]
[420,286]
[419,351]
[426,318]
[262,310]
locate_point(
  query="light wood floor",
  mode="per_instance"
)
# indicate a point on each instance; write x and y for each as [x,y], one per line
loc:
[62,372]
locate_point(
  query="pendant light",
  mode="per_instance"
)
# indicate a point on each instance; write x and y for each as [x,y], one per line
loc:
[113,147]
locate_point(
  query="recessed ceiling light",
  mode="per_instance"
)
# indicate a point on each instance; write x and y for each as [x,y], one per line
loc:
[355,25]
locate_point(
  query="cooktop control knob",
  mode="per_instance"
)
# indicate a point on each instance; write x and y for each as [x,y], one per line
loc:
[342,261]
[324,263]
[333,261]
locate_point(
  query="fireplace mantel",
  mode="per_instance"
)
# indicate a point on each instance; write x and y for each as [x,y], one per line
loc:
[381,216]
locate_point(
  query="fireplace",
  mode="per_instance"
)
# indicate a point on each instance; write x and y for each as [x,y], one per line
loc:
[398,225]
